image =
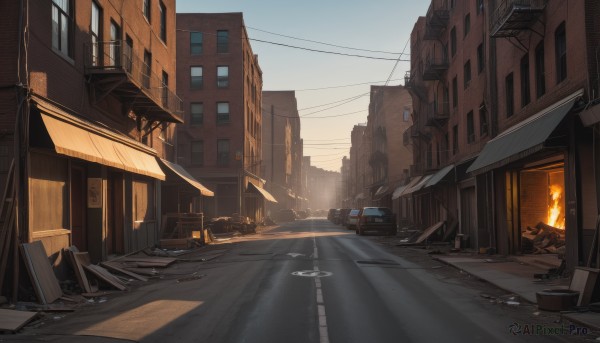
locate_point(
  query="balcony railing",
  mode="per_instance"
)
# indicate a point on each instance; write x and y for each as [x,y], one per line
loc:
[438,13]
[435,68]
[514,16]
[437,113]
[414,86]
[112,60]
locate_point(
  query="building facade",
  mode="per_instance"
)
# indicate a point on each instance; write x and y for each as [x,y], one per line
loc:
[221,141]
[282,150]
[89,106]
[499,141]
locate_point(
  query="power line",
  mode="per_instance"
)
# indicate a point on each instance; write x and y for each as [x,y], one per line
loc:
[343,86]
[335,102]
[323,43]
[330,52]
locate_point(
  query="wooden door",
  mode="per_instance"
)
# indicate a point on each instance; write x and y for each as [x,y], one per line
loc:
[115,243]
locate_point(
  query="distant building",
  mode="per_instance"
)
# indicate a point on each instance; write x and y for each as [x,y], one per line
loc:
[324,188]
[220,143]
[359,174]
[282,149]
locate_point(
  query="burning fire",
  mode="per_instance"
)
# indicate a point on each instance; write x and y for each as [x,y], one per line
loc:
[556,215]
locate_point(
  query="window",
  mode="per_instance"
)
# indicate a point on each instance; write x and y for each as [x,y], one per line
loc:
[196,77]
[222,112]
[62,25]
[479,5]
[452,4]
[525,89]
[197,153]
[147,69]
[510,95]
[114,53]
[470,128]
[406,114]
[196,43]
[480,59]
[467,24]
[163,22]
[165,88]
[453,41]
[96,34]
[146,7]
[222,76]
[467,73]
[222,152]
[455,92]
[483,120]
[540,78]
[128,54]
[560,46]
[455,140]
[222,41]
[196,113]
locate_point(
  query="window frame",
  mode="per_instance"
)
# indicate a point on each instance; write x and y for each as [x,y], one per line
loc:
[540,70]
[196,81]
[222,81]
[467,25]
[57,32]
[480,59]
[222,41]
[483,121]
[223,157]
[163,21]
[453,41]
[223,117]
[524,67]
[196,45]
[147,10]
[455,92]
[196,118]
[470,127]
[96,36]
[467,74]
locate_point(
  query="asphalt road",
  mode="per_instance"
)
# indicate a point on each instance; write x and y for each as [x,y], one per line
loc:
[306,281]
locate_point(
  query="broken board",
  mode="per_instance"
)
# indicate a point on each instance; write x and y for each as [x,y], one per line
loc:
[151,261]
[584,281]
[116,268]
[78,260]
[105,276]
[42,276]
[425,234]
[12,320]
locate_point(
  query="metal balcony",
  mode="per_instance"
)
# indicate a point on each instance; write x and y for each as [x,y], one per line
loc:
[437,113]
[437,19]
[112,68]
[513,16]
[414,86]
[435,68]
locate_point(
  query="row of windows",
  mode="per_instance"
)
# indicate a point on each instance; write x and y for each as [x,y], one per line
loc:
[63,23]
[197,113]
[197,77]
[197,42]
[560,52]
[223,152]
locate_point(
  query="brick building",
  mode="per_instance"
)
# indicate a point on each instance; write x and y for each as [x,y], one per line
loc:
[498,88]
[360,176]
[220,143]
[282,149]
[88,109]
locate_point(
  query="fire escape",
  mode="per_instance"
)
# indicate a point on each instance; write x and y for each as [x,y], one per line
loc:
[514,16]
[113,69]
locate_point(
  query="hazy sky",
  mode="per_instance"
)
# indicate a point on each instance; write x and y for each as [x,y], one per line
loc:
[381,25]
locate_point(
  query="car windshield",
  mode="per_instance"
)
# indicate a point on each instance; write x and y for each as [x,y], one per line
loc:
[354,212]
[376,211]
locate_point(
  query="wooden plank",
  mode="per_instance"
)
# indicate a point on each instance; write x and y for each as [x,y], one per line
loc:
[5,245]
[143,271]
[12,320]
[429,231]
[42,276]
[584,281]
[78,260]
[157,261]
[104,275]
[116,268]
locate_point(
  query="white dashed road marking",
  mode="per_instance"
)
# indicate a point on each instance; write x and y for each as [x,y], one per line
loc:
[323,333]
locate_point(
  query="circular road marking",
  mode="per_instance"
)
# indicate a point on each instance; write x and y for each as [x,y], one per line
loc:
[312,273]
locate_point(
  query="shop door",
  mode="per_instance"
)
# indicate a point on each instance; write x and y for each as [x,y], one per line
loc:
[468,213]
[78,208]
[115,243]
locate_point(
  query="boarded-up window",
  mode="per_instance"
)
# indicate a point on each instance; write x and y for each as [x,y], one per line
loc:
[143,200]
[48,193]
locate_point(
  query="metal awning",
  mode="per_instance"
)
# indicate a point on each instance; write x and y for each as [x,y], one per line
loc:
[77,138]
[524,138]
[410,184]
[183,174]
[418,186]
[590,115]
[439,176]
[398,192]
[263,192]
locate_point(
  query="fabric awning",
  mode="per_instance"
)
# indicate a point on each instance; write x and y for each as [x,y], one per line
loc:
[418,185]
[76,138]
[263,192]
[410,184]
[524,138]
[439,176]
[182,173]
[397,192]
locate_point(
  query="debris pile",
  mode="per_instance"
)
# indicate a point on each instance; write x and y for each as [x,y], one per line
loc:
[543,239]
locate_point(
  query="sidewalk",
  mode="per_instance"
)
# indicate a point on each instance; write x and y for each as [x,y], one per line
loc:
[515,275]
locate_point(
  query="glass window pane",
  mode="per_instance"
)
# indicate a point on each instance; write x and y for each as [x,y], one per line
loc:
[55,25]
[64,35]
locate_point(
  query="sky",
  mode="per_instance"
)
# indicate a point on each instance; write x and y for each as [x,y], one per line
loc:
[332,90]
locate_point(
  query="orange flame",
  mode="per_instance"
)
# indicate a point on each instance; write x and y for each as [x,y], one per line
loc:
[556,217]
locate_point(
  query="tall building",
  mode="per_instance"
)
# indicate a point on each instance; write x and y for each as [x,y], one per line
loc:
[505,96]
[220,143]
[282,149]
[89,106]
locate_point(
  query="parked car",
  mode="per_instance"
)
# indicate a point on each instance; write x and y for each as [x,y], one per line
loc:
[379,219]
[334,215]
[286,215]
[302,214]
[330,214]
[344,215]
[352,219]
